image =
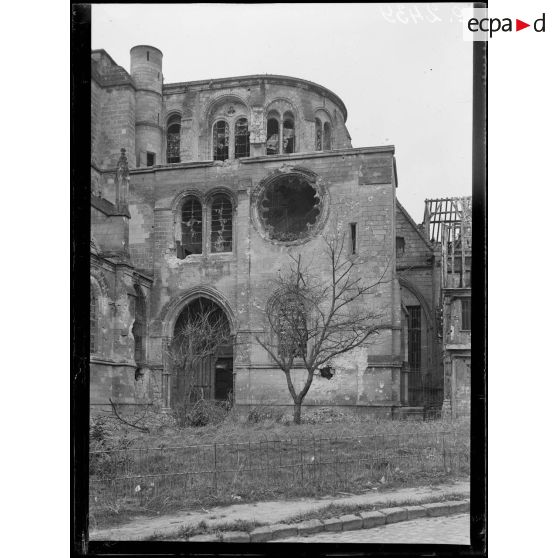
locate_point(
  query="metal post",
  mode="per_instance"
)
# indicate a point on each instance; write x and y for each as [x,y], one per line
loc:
[301,463]
[215,466]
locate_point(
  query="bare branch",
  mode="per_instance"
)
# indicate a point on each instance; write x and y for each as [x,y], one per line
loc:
[142,428]
[200,330]
[316,319]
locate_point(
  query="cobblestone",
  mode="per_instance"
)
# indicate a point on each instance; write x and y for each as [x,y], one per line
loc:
[429,530]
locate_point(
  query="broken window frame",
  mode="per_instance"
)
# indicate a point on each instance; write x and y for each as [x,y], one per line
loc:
[285,133]
[221,154]
[212,235]
[191,217]
[273,202]
[221,224]
[273,143]
[318,134]
[241,138]
[173,139]
[288,133]
[327,136]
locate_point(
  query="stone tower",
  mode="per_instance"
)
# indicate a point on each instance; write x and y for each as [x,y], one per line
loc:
[146,64]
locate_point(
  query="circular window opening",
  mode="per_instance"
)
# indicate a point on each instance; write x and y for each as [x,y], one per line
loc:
[289,208]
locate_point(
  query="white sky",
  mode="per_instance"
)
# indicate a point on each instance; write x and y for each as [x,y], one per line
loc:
[407,84]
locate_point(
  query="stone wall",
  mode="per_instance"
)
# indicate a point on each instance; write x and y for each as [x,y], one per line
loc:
[113,107]
[359,189]
[201,103]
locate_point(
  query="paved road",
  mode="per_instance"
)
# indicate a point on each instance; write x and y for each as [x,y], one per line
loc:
[436,530]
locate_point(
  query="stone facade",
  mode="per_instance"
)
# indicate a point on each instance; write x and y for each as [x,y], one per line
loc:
[163,156]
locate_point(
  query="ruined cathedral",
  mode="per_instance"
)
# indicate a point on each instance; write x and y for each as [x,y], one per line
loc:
[200,191]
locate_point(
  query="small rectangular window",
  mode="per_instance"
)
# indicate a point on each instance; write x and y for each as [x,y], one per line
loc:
[399,246]
[466,314]
[147,55]
[353,227]
[150,159]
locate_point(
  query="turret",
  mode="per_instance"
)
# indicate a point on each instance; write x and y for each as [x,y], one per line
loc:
[146,67]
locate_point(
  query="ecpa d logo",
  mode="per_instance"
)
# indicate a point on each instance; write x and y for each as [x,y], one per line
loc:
[478,26]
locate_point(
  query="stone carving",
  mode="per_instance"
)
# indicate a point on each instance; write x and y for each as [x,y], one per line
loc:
[122,170]
[257,128]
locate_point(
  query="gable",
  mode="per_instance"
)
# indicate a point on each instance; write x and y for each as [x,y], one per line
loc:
[417,250]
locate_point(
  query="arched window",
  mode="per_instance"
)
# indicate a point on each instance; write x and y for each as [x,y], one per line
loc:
[138,329]
[288,133]
[192,227]
[327,136]
[272,143]
[318,134]
[173,139]
[221,224]
[241,139]
[220,141]
[93,319]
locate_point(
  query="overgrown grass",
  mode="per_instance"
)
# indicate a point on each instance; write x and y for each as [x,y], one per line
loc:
[236,461]
[265,424]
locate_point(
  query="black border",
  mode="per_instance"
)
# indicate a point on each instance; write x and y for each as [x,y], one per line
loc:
[80,216]
[79,309]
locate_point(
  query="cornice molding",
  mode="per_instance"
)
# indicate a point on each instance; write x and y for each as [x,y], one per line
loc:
[256,79]
[352,151]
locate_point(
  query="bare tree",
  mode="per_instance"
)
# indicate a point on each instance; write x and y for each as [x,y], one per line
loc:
[316,318]
[201,328]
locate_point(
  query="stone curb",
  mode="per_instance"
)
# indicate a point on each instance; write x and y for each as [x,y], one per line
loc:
[362,520]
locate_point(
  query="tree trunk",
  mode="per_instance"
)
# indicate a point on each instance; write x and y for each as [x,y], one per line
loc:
[297,411]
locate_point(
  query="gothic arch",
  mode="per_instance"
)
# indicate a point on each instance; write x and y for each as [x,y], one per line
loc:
[100,281]
[173,308]
[420,297]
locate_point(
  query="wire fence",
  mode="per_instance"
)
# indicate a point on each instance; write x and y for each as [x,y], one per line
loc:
[156,477]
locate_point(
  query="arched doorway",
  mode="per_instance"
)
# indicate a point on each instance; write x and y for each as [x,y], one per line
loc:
[201,353]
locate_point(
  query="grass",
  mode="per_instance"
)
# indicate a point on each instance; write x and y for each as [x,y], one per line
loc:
[237,461]
[236,429]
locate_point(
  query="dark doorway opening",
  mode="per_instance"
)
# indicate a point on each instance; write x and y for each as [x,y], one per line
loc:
[223,379]
[200,354]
